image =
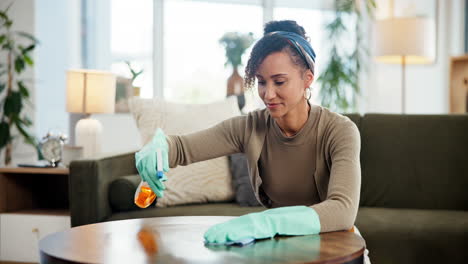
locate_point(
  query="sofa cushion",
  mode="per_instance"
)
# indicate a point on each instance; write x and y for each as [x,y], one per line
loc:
[222,209]
[414,236]
[122,192]
[414,161]
[205,181]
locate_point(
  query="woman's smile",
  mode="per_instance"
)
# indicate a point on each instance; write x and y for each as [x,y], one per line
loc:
[272,105]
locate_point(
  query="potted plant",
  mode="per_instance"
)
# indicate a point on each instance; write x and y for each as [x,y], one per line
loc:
[340,77]
[135,74]
[236,44]
[16,47]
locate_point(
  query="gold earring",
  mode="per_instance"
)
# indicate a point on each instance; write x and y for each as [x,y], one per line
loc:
[308,93]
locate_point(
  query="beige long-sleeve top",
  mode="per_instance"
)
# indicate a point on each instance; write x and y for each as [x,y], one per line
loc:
[286,167]
[335,142]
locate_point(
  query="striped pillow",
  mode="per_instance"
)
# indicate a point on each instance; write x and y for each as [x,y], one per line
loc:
[201,182]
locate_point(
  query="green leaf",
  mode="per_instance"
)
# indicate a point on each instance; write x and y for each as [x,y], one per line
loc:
[26,121]
[2,38]
[28,59]
[138,73]
[22,89]
[13,104]
[4,134]
[27,136]
[28,48]
[7,46]
[19,64]
[2,87]
[3,15]
[27,35]
[371,5]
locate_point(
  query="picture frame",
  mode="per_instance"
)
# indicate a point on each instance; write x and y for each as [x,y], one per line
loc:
[123,92]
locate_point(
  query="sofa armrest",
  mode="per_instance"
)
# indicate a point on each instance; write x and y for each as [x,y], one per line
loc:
[89,183]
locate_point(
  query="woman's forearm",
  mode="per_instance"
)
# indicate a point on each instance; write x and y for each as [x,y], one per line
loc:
[222,139]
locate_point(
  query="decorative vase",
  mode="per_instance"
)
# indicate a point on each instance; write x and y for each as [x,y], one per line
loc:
[136,91]
[235,86]
[235,83]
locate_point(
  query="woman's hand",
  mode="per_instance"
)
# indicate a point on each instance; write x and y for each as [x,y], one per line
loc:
[146,161]
[291,220]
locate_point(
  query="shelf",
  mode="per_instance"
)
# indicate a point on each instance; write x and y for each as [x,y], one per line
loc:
[33,188]
[460,58]
[42,211]
[27,170]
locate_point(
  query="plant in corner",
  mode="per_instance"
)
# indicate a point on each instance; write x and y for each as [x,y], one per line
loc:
[17,47]
[236,44]
[135,74]
[340,77]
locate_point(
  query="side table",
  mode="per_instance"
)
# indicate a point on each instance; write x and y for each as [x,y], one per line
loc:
[33,204]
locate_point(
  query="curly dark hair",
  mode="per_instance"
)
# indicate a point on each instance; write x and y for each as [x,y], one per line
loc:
[274,43]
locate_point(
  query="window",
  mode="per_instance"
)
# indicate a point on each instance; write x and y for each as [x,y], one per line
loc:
[192,66]
[132,40]
[194,60]
[313,21]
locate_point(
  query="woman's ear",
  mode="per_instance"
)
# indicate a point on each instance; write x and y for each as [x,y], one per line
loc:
[308,78]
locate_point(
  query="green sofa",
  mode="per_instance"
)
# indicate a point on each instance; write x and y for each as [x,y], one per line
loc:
[414,195]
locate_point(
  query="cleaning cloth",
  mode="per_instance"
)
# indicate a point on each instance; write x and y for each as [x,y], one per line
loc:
[240,242]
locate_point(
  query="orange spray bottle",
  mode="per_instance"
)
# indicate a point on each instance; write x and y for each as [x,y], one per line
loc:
[144,196]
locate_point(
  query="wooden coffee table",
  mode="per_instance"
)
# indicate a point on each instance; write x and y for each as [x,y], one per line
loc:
[180,240]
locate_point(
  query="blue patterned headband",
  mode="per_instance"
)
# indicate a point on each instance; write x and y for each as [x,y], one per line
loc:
[302,46]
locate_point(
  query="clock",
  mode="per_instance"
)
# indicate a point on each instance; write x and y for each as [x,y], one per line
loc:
[51,148]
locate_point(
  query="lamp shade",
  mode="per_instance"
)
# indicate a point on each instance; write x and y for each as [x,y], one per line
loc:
[90,91]
[412,37]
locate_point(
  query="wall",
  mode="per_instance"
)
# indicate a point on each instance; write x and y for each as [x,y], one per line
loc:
[58,28]
[426,85]
[120,133]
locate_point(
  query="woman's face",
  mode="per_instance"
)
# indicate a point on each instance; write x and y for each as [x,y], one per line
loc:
[281,84]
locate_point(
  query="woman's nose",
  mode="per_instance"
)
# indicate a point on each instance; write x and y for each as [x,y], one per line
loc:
[270,92]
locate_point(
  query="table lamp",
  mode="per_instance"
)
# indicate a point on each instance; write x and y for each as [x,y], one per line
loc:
[404,40]
[90,92]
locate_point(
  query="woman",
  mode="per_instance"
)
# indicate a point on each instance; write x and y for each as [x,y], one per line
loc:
[303,159]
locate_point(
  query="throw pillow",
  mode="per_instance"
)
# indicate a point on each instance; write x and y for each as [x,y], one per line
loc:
[122,192]
[240,178]
[206,181]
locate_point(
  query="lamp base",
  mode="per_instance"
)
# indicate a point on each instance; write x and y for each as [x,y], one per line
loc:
[88,133]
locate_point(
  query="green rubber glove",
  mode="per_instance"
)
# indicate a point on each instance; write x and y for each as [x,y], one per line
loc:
[146,162]
[294,249]
[290,220]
